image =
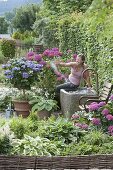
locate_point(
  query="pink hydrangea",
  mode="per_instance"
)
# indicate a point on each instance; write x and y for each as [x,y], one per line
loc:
[110,129]
[75,116]
[37,57]
[96,121]
[111,97]
[105,112]
[31,53]
[101,104]
[109,117]
[82,126]
[42,62]
[93,107]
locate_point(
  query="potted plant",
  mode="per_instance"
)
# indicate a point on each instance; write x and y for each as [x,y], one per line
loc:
[22,74]
[43,106]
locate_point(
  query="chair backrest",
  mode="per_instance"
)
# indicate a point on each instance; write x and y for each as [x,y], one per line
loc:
[106,91]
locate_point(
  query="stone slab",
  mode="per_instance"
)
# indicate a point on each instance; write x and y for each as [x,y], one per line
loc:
[70,100]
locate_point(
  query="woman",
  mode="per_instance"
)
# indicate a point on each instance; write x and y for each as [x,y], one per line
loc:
[77,67]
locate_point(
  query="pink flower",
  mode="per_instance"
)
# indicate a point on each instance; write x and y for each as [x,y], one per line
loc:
[37,57]
[75,116]
[96,121]
[31,53]
[102,104]
[42,62]
[105,112]
[109,117]
[93,106]
[111,97]
[82,126]
[110,129]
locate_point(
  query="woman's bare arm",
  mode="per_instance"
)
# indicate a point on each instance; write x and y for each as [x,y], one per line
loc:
[70,64]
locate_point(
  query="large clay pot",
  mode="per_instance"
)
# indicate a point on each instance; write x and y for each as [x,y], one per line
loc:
[43,114]
[22,108]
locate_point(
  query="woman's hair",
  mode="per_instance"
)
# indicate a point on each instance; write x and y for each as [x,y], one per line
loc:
[82,57]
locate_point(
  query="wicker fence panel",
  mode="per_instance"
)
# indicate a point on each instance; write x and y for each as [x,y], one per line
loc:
[57,163]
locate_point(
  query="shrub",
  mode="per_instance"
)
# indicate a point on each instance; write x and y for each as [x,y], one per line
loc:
[5,145]
[8,48]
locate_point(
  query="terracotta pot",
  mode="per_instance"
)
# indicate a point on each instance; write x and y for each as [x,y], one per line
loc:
[43,114]
[22,108]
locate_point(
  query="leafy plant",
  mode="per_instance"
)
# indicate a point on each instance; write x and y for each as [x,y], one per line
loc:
[5,145]
[40,103]
[19,127]
[34,146]
[8,48]
[21,73]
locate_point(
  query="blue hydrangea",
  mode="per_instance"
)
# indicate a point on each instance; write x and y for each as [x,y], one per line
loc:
[25,75]
[15,68]
[7,72]
[9,76]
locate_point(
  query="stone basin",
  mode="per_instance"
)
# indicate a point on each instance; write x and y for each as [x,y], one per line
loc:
[70,100]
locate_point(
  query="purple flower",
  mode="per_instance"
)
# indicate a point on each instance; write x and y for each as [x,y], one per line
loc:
[7,72]
[25,75]
[38,57]
[110,129]
[96,121]
[3,66]
[31,53]
[105,112]
[42,62]
[102,104]
[55,49]
[82,126]
[111,97]
[15,68]
[109,117]
[9,76]
[75,116]
[93,107]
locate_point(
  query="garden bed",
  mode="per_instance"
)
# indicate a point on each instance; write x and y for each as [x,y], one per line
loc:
[77,162]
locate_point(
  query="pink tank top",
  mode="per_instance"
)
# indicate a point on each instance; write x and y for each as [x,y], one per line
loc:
[75,76]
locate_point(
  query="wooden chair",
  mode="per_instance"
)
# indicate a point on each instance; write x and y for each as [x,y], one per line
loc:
[104,96]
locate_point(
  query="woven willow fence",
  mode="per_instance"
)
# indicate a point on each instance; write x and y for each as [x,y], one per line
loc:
[59,163]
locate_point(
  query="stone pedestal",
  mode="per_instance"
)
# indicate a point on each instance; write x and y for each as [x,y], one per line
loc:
[70,100]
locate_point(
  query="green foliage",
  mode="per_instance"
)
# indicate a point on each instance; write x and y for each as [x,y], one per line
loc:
[18,126]
[60,7]
[47,82]
[34,147]
[40,103]
[5,145]
[8,48]
[3,26]
[45,30]
[60,129]
[16,35]
[25,17]
[95,142]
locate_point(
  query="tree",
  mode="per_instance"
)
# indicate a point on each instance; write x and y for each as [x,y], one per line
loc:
[61,7]
[25,17]
[3,26]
